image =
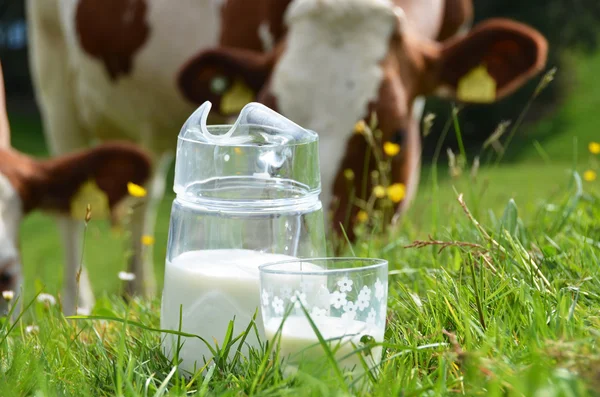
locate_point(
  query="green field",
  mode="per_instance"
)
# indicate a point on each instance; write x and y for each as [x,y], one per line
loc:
[514,336]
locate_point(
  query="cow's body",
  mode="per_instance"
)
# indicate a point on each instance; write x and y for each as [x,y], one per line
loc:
[115,69]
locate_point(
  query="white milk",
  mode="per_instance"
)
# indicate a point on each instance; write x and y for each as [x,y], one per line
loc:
[212,286]
[299,343]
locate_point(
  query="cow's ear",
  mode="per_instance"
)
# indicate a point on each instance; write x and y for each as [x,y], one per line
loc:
[491,62]
[227,77]
[100,177]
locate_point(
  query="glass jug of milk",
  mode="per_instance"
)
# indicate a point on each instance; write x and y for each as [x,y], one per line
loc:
[247,194]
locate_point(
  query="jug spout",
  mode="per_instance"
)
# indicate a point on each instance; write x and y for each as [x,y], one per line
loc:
[263,154]
[252,115]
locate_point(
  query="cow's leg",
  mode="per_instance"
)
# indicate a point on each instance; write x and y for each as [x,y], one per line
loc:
[76,293]
[53,82]
[143,223]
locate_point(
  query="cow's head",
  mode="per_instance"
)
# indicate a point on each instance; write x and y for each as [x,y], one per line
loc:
[62,185]
[341,60]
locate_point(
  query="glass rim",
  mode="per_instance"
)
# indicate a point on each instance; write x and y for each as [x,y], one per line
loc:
[375,263]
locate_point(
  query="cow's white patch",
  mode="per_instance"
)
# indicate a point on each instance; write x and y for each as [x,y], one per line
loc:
[10,215]
[266,37]
[331,70]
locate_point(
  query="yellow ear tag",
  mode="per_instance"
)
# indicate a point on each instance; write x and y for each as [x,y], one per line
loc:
[477,86]
[234,99]
[90,193]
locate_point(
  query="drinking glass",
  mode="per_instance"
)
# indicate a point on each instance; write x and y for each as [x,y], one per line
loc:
[345,299]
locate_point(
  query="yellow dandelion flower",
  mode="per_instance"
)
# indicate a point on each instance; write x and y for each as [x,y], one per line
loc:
[594,147]
[589,176]
[359,128]
[362,216]
[237,150]
[349,174]
[147,240]
[379,191]
[136,190]
[396,192]
[391,149]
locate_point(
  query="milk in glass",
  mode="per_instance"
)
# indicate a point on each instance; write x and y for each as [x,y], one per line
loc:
[299,343]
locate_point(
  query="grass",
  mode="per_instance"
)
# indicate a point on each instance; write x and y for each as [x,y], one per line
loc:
[503,300]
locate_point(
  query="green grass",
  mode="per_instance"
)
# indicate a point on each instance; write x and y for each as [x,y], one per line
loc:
[466,320]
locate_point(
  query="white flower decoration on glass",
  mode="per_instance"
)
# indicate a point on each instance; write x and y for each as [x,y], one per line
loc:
[350,307]
[338,299]
[265,297]
[345,284]
[365,293]
[298,298]
[286,292]
[349,311]
[277,305]
[318,312]
[371,317]
[379,290]
[364,297]
[362,303]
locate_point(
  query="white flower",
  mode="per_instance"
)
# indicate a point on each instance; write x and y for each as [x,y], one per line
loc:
[379,289]
[82,311]
[337,299]
[316,312]
[30,329]
[278,305]
[46,298]
[349,316]
[364,298]
[371,317]
[350,307]
[365,293]
[125,276]
[8,295]
[362,303]
[286,292]
[345,284]
[265,298]
[298,298]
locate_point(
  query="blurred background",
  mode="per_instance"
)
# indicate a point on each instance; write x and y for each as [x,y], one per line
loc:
[555,134]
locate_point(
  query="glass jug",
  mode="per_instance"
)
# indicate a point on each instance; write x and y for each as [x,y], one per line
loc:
[247,194]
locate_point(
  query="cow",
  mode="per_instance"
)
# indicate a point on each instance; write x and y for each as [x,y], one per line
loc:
[53,185]
[340,61]
[136,69]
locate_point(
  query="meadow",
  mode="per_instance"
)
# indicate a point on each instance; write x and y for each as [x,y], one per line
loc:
[494,287]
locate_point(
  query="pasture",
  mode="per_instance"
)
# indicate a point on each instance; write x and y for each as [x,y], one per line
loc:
[510,313]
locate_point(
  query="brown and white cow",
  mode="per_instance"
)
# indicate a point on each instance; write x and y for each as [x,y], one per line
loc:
[27,184]
[106,69]
[136,69]
[342,60]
